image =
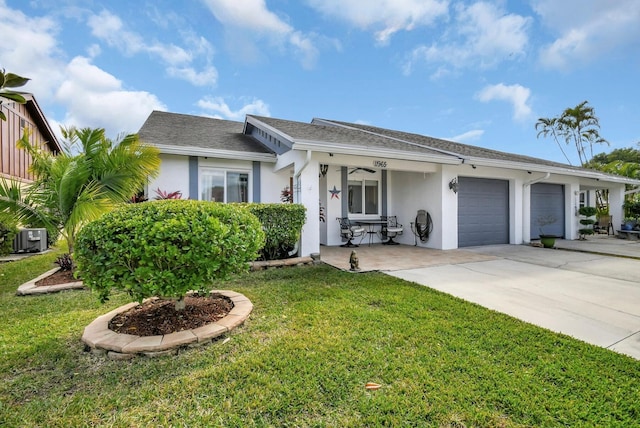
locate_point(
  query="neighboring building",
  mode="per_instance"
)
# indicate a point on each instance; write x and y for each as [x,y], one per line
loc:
[475,196]
[15,163]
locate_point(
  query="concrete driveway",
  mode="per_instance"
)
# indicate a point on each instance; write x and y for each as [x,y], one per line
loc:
[592,297]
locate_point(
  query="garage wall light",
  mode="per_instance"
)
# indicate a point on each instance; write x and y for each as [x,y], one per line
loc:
[453,185]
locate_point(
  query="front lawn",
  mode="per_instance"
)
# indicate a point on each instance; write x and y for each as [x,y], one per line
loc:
[315,338]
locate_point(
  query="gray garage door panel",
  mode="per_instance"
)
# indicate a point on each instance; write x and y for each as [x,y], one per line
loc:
[483,211]
[547,200]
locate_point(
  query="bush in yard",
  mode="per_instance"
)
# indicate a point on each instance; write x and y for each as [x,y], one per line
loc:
[282,225]
[166,248]
[587,222]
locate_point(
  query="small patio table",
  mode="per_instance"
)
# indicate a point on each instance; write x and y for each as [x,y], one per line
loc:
[371,226]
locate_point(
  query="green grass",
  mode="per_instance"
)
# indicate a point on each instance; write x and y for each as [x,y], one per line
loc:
[316,336]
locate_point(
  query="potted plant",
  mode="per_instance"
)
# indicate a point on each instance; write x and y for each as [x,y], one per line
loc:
[548,241]
[587,221]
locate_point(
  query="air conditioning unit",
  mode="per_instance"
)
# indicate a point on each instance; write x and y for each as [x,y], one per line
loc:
[30,241]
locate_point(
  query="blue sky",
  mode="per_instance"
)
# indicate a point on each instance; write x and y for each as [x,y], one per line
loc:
[477,72]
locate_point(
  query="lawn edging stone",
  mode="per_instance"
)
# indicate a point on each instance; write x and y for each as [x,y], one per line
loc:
[30,287]
[271,264]
[99,339]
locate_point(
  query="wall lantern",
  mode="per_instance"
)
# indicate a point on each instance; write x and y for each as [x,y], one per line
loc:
[323,170]
[453,185]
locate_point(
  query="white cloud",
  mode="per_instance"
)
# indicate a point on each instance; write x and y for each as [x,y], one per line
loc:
[482,35]
[386,17]
[517,95]
[91,97]
[95,98]
[468,136]
[253,19]
[218,108]
[252,14]
[587,29]
[206,77]
[179,60]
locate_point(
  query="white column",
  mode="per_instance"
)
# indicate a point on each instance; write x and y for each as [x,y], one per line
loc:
[308,194]
[449,209]
[616,199]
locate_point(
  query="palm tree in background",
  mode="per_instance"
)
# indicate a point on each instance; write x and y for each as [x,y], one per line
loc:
[91,176]
[578,126]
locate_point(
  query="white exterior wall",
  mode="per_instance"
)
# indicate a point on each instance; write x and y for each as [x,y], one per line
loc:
[272,183]
[409,192]
[411,186]
[173,176]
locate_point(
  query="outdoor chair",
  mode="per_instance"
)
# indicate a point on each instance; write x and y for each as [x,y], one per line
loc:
[349,231]
[391,229]
[604,225]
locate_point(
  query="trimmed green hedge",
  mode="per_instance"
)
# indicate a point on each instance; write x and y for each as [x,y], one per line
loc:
[166,248]
[282,225]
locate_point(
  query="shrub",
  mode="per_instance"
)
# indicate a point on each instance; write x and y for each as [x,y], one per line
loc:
[65,262]
[166,248]
[8,231]
[587,221]
[282,225]
[632,209]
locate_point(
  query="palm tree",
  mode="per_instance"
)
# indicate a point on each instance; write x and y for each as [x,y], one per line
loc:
[549,126]
[576,125]
[91,176]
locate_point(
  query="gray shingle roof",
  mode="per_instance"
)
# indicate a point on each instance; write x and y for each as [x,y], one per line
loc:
[303,132]
[464,150]
[181,130]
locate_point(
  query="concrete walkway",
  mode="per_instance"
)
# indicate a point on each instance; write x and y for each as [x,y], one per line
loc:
[587,295]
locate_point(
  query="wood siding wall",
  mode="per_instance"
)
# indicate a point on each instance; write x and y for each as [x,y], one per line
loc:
[14,162]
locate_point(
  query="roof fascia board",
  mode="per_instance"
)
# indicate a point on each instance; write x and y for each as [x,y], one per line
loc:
[223,154]
[551,169]
[320,146]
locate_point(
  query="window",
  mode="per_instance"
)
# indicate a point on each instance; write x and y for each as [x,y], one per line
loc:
[583,199]
[224,186]
[363,197]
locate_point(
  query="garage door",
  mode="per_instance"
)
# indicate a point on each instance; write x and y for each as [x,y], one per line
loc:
[547,202]
[483,211]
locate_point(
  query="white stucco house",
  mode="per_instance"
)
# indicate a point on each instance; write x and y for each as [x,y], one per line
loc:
[475,196]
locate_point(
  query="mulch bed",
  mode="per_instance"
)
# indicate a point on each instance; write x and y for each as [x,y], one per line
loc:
[60,277]
[159,317]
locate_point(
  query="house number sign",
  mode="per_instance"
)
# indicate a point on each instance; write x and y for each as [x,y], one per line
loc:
[379,164]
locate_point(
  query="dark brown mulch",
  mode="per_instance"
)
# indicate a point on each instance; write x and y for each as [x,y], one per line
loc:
[157,317]
[60,277]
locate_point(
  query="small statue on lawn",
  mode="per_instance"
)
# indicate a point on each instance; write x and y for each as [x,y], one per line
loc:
[353,261]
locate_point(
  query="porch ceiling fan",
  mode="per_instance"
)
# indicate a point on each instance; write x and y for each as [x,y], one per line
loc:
[370,171]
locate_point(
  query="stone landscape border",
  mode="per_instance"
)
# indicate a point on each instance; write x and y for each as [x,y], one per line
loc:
[295,261]
[30,287]
[101,340]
